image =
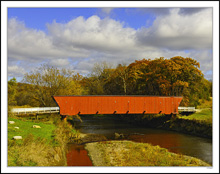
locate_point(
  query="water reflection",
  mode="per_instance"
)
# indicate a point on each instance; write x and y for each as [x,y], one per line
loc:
[175,142]
[167,141]
[77,156]
[179,143]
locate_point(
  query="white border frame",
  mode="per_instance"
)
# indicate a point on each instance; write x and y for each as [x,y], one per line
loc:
[213,4]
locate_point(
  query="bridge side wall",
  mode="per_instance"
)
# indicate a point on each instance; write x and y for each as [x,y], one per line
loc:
[72,105]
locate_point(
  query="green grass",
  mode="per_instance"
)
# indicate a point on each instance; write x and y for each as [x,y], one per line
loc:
[203,115]
[35,147]
[26,128]
[43,146]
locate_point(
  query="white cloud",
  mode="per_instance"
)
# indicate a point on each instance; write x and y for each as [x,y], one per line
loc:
[177,31]
[59,62]
[30,44]
[15,71]
[82,42]
[204,57]
[93,34]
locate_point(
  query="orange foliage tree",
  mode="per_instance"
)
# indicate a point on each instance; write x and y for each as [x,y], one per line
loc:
[177,76]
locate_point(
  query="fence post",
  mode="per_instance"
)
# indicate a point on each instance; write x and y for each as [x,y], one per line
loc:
[36,116]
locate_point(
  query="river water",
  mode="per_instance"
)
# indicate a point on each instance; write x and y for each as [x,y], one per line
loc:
[110,126]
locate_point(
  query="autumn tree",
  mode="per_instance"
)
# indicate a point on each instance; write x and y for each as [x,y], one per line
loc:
[112,84]
[108,80]
[177,76]
[48,81]
[12,91]
[118,81]
[123,75]
[25,95]
[99,76]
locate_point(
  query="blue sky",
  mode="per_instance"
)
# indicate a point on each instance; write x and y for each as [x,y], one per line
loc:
[77,38]
[38,17]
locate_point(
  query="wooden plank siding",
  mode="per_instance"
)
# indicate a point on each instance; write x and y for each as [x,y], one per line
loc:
[72,105]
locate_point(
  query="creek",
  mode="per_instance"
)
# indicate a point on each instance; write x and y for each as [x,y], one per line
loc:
[112,126]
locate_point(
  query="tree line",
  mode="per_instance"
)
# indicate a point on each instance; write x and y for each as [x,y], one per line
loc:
[176,76]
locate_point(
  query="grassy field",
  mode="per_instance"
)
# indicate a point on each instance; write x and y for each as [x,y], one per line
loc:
[26,128]
[128,153]
[43,146]
[203,115]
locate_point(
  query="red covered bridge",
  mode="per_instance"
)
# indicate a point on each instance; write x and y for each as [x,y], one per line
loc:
[73,105]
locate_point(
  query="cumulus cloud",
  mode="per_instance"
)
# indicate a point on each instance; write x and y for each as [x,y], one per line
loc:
[59,62]
[24,43]
[30,44]
[82,42]
[15,71]
[177,32]
[204,57]
[93,34]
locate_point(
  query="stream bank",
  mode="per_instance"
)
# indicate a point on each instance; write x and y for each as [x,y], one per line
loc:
[106,128]
[192,127]
[97,150]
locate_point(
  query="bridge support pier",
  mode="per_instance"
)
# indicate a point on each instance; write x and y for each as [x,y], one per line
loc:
[173,115]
